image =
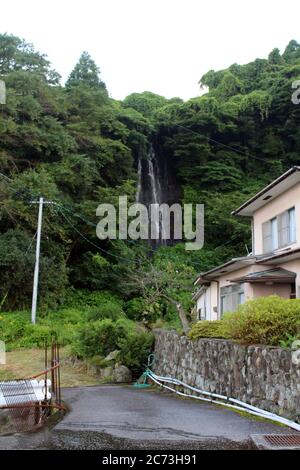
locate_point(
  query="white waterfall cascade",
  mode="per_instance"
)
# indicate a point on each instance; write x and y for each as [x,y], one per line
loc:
[149,190]
[139,182]
[156,192]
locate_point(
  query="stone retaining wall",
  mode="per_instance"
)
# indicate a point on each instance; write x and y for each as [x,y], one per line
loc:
[260,375]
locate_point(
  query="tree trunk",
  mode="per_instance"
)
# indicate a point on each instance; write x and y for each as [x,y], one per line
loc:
[181,314]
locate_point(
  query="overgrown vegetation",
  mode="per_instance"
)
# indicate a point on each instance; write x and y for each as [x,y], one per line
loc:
[87,338]
[76,146]
[269,320]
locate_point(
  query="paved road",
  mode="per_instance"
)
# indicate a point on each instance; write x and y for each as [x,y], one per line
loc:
[122,417]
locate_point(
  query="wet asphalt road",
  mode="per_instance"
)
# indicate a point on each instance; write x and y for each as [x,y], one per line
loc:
[122,417]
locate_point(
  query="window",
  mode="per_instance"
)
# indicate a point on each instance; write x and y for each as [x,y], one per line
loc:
[231,297]
[199,314]
[292,225]
[279,231]
[274,233]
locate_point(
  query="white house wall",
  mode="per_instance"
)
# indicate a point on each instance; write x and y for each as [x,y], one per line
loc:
[283,202]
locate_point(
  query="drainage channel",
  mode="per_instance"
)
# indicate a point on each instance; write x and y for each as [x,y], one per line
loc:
[276,441]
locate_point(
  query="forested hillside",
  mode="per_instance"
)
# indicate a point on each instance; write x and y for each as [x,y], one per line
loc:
[78,147]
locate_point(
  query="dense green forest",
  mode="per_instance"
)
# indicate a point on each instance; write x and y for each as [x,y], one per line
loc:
[78,147]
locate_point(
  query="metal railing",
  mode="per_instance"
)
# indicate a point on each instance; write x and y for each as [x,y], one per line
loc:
[31,401]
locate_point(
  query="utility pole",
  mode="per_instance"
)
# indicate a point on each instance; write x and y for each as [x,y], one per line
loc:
[37,260]
[41,203]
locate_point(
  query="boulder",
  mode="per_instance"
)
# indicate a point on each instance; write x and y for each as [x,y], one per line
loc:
[107,373]
[112,356]
[122,374]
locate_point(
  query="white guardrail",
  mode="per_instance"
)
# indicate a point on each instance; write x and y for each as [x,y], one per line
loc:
[218,399]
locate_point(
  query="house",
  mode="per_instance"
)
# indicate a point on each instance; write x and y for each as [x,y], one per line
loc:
[273,267]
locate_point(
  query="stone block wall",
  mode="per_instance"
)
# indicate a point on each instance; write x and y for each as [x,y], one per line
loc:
[260,375]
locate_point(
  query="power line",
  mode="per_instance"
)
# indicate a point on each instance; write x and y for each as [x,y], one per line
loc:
[221,143]
[30,244]
[122,257]
[90,242]
[61,206]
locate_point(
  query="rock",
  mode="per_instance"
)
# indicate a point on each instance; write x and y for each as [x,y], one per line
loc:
[107,373]
[112,356]
[122,374]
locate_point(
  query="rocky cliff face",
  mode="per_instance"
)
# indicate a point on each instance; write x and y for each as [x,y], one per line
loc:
[157,183]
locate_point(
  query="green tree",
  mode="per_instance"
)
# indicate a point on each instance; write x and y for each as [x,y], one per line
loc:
[85,72]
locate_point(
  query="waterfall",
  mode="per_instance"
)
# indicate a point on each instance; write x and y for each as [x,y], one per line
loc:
[149,187]
[139,182]
[155,194]
[156,184]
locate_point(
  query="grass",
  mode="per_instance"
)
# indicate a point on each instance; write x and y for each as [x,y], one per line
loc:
[22,363]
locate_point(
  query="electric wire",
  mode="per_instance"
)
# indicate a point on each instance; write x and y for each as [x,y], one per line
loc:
[248,155]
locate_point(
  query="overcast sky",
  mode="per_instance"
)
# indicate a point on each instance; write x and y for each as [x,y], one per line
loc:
[164,46]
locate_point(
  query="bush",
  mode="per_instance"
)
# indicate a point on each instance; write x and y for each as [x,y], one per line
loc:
[135,308]
[265,320]
[84,298]
[35,336]
[12,326]
[288,341]
[101,337]
[134,349]
[17,330]
[110,309]
[67,315]
[207,329]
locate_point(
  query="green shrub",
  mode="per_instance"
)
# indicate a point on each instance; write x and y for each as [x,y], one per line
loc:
[100,337]
[67,315]
[84,298]
[17,330]
[265,320]
[12,326]
[207,329]
[134,349]
[288,341]
[135,308]
[109,309]
[35,336]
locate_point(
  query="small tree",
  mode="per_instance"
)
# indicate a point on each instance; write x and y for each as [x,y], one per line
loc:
[85,72]
[163,280]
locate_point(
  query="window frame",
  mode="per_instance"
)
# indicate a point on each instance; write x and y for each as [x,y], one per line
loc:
[236,289]
[275,240]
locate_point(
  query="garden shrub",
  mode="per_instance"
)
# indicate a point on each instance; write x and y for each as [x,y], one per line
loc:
[134,349]
[207,329]
[100,337]
[265,320]
[288,341]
